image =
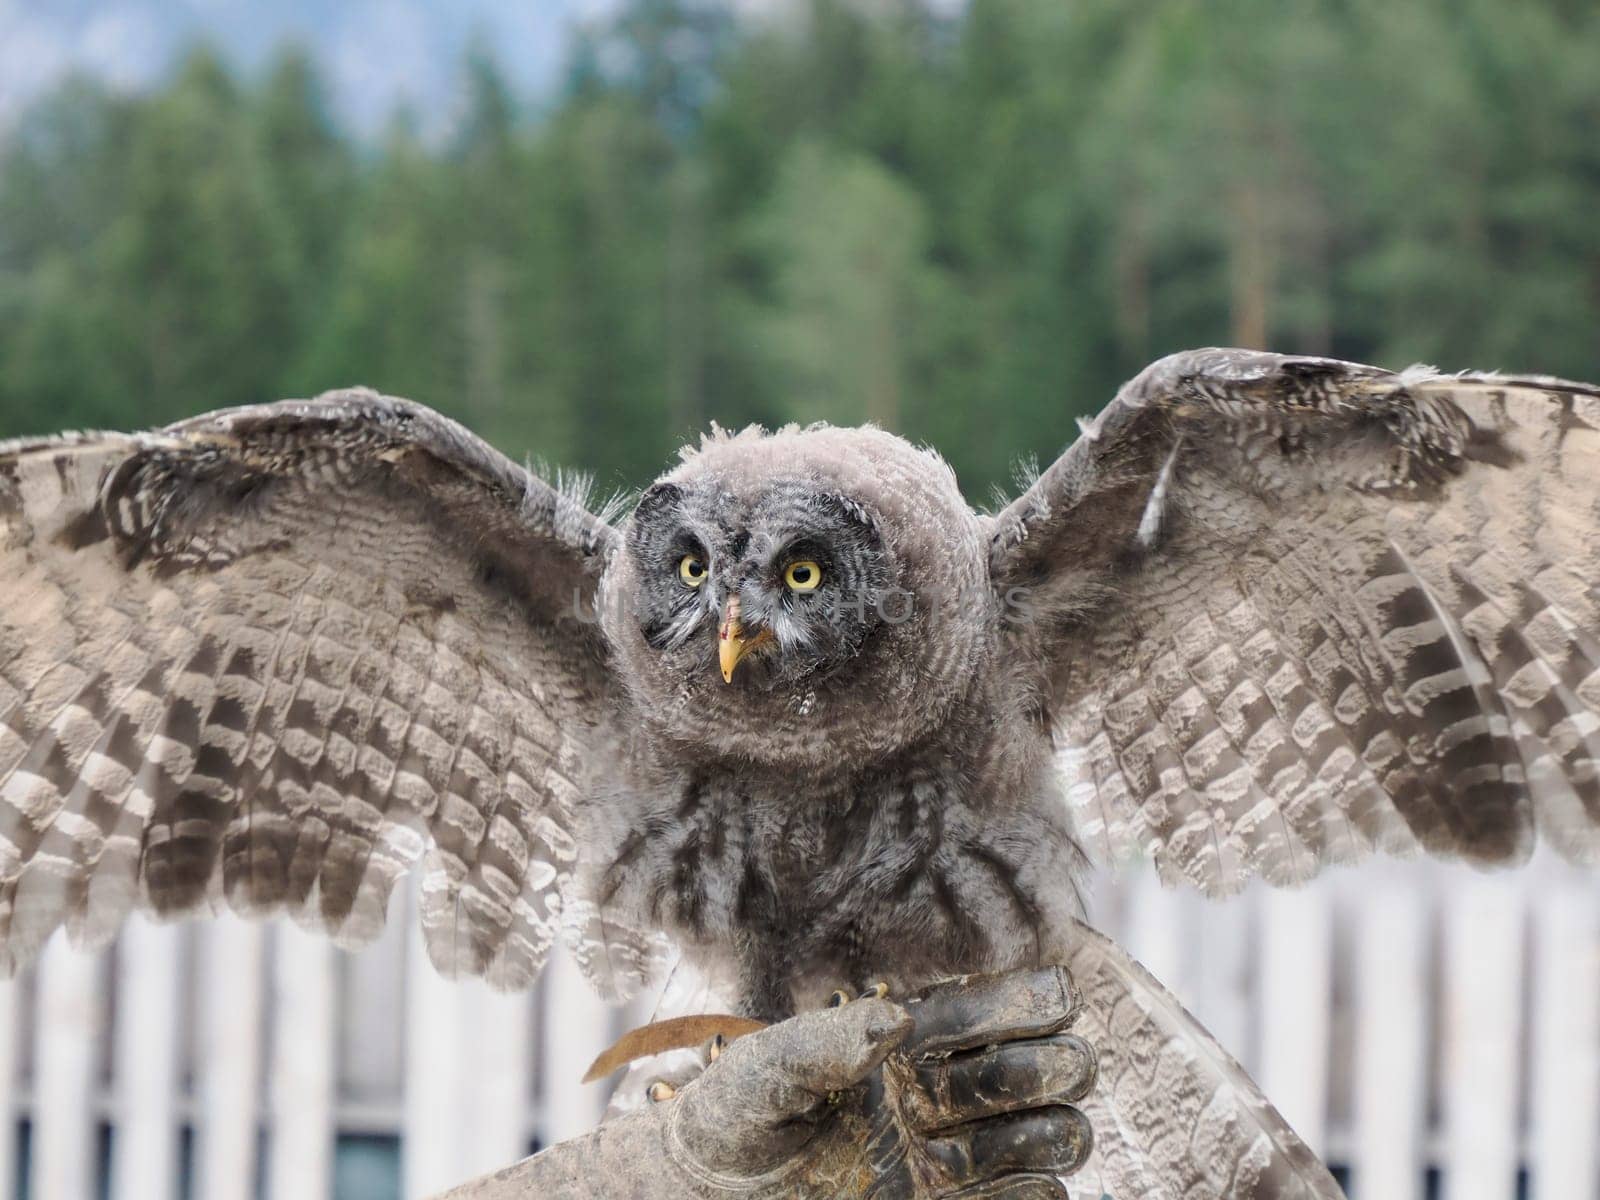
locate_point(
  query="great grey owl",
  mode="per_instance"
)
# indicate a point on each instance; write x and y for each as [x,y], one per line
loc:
[803,713]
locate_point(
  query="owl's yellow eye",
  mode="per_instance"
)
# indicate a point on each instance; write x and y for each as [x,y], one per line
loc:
[692,570]
[803,576]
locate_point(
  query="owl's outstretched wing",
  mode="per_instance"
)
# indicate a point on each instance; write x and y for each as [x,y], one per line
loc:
[1174,1116]
[1288,610]
[273,656]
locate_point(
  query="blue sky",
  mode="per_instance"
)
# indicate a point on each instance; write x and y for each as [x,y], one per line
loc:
[375,53]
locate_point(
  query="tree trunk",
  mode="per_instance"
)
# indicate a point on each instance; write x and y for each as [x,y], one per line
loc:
[1251,268]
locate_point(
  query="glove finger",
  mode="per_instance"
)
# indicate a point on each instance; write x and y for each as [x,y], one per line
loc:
[1014,1187]
[978,1010]
[1050,1141]
[1005,1078]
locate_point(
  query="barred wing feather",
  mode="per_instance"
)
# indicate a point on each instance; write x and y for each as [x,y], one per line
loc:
[273,657]
[1293,610]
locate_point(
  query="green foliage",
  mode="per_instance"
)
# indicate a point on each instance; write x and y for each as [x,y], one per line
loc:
[970,229]
[847,241]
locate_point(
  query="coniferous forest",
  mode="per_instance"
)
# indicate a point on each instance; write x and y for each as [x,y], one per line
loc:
[967,228]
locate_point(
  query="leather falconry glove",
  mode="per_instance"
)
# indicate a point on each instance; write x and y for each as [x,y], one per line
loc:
[961,1093]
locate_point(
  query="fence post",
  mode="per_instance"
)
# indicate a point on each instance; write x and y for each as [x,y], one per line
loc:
[8,1083]
[1565,1092]
[576,1026]
[498,1035]
[1391,1020]
[1479,1065]
[1155,929]
[430,1141]
[301,1133]
[63,1148]
[1295,970]
[144,1145]
[229,1062]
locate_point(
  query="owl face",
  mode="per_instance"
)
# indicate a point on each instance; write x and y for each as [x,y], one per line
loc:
[772,591]
[785,598]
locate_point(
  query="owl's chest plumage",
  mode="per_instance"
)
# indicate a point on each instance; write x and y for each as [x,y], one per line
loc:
[908,873]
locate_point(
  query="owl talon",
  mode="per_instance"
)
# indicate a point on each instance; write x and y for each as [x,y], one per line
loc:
[714,1048]
[840,997]
[660,1091]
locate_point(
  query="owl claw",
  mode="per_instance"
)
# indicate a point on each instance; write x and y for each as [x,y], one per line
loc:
[877,991]
[714,1048]
[660,1092]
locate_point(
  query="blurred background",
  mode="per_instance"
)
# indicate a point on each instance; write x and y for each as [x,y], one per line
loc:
[587,228]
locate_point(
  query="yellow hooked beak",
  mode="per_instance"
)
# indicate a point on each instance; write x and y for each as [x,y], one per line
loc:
[732,645]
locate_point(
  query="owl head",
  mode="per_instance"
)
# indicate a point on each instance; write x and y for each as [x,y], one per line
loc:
[803,596]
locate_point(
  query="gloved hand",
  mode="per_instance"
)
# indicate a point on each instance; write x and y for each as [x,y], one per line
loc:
[963,1092]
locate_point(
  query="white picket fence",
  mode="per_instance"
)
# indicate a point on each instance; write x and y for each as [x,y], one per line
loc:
[1433,1031]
